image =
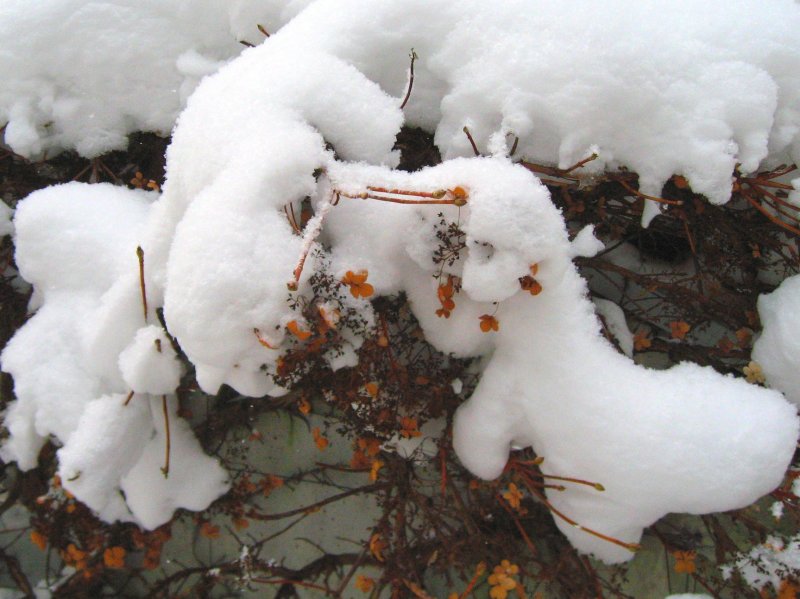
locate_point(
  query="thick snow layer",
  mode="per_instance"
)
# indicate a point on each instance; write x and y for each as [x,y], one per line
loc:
[75,242]
[777,350]
[688,90]
[83,75]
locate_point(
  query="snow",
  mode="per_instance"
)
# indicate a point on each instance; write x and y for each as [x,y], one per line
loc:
[313,113]
[149,364]
[769,563]
[778,346]
[75,242]
[83,75]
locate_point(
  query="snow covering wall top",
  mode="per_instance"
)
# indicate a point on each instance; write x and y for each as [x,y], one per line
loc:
[82,75]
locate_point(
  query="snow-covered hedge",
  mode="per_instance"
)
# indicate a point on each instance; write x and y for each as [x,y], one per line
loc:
[661,88]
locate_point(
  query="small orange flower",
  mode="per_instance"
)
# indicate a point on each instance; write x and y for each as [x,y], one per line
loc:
[152,558]
[271,482]
[295,329]
[241,523]
[364,583]
[39,539]
[369,446]
[359,461]
[376,546]
[373,473]
[304,406]
[754,373]
[788,590]
[408,428]
[725,345]
[513,496]
[679,328]
[75,557]
[138,180]
[680,182]
[371,389]
[358,283]
[209,531]
[320,441]
[445,294]
[684,561]
[743,336]
[489,323]
[501,579]
[330,318]
[114,557]
[531,285]
[641,340]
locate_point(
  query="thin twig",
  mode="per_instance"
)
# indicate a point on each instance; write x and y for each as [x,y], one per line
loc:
[648,197]
[413,57]
[165,469]
[580,163]
[471,141]
[755,204]
[140,256]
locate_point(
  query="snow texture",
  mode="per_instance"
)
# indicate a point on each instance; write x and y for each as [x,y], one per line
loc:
[219,250]
[778,347]
[74,242]
[767,564]
[83,75]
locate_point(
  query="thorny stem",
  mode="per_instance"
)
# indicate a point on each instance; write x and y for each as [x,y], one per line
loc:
[140,256]
[413,57]
[165,469]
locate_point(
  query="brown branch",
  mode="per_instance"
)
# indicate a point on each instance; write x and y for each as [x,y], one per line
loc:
[413,57]
[17,575]
[165,469]
[140,256]
[315,506]
[471,141]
